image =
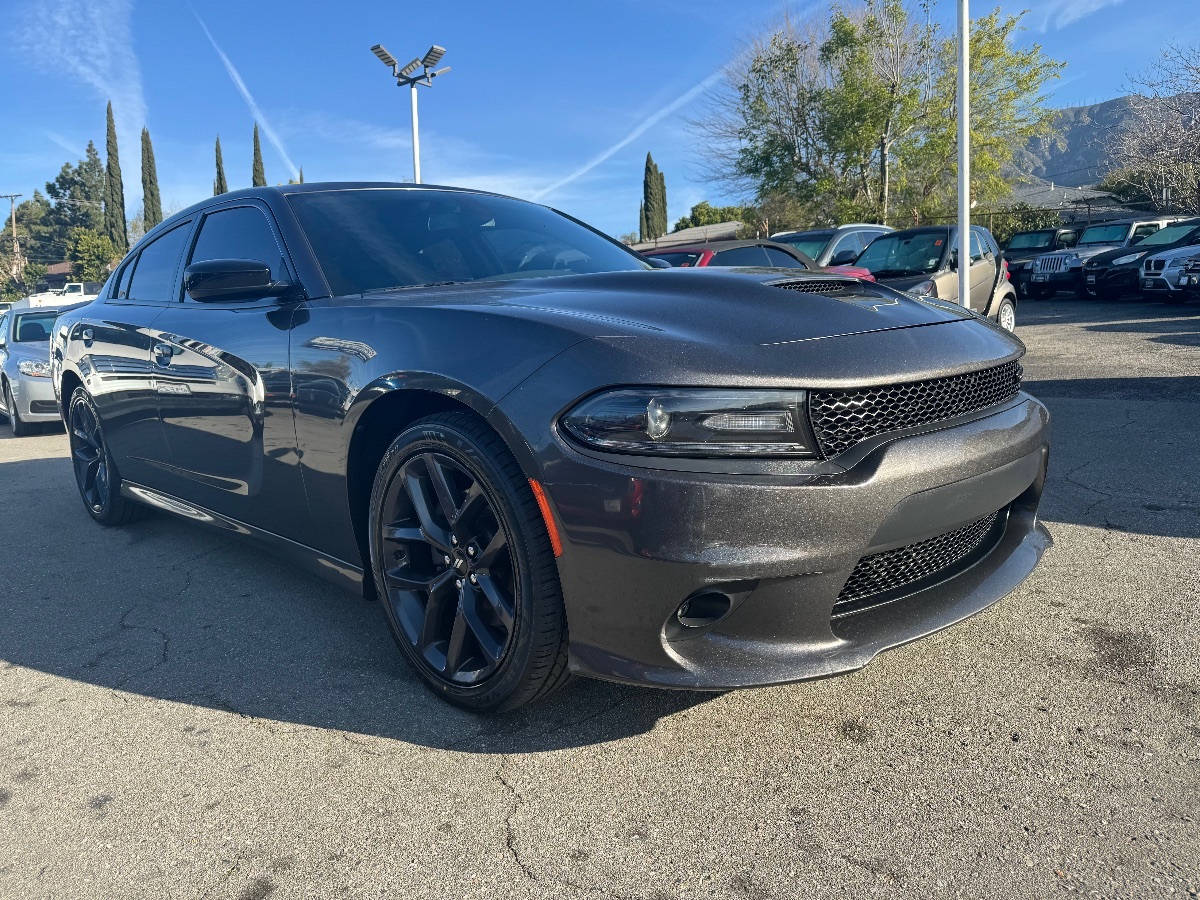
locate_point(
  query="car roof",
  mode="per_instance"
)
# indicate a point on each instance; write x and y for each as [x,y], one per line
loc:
[716,246]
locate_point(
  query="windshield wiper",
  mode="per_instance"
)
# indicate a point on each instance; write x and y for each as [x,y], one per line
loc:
[409,287]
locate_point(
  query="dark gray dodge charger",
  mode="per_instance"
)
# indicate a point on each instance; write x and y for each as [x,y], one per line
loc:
[544,456]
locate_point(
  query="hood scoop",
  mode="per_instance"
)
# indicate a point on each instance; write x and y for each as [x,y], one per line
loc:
[815,286]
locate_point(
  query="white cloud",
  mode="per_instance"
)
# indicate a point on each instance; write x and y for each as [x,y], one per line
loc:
[642,127]
[255,111]
[1061,13]
[91,41]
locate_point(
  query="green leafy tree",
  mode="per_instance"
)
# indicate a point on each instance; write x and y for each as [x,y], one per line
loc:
[151,200]
[704,213]
[90,254]
[1004,223]
[38,231]
[78,196]
[220,186]
[258,174]
[114,191]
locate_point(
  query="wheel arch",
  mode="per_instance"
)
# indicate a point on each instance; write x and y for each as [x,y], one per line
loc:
[66,387]
[385,409]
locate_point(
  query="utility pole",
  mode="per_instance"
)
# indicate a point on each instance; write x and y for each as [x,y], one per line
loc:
[964,153]
[18,266]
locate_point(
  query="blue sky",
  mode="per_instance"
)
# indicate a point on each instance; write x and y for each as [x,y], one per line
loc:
[556,101]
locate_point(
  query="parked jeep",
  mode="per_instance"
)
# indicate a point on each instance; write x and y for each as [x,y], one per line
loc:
[1026,246]
[1063,269]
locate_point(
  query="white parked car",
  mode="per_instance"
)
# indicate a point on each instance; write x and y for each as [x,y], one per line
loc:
[1161,274]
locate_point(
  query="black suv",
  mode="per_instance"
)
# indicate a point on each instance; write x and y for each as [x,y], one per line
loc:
[1112,273]
[1026,246]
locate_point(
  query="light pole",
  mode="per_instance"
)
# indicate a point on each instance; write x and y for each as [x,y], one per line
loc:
[964,153]
[404,76]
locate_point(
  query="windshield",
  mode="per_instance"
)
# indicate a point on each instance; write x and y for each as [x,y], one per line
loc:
[30,327]
[679,260]
[1170,235]
[1104,234]
[393,238]
[1031,240]
[897,255]
[810,243]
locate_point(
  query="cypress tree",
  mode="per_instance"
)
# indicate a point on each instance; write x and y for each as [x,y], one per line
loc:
[654,199]
[302,174]
[642,229]
[151,201]
[220,186]
[258,175]
[114,192]
[661,225]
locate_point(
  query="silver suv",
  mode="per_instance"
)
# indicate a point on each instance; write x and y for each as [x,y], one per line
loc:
[832,246]
[1063,269]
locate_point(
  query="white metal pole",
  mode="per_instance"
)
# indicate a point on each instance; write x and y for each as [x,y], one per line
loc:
[964,153]
[416,138]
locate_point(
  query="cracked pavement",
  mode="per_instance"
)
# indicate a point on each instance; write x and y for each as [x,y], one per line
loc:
[182,715]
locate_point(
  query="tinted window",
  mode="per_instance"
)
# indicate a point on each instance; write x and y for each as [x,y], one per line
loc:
[777,257]
[3,324]
[976,247]
[157,263]
[121,287]
[376,239]
[810,243]
[239,233]
[679,260]
[1171,234]
[1031,240]
[30,327]
[741,256]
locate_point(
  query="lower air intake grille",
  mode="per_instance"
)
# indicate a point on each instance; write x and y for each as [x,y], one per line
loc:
[843,418]
[883,573]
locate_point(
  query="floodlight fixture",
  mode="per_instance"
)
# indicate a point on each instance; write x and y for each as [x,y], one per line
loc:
[410,68]
[386,58]
[433,57]
[439,72]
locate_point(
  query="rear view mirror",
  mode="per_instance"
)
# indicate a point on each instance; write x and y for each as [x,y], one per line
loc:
[230,280]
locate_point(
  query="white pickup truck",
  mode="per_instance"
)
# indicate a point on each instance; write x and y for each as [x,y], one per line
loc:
[72,292]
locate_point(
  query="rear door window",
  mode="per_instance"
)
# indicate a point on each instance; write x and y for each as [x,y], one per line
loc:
[157,265]
[239,233]
[741,256]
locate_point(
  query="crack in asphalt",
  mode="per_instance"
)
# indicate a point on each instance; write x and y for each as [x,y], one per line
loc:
[510,837]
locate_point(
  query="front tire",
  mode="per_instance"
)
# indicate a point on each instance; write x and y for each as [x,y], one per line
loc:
[19,428]
[1006,315]
[462,561]
[96,476]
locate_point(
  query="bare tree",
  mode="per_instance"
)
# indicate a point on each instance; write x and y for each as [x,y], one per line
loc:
[1157,153]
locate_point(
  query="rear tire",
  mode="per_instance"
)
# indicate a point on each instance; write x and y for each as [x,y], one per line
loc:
[487,630]
[19,428]
[95,474]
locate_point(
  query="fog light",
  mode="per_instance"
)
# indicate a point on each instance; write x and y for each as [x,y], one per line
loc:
[703,609]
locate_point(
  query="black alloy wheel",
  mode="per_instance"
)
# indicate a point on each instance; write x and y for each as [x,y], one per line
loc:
[462,560]
[97,478]
[19,428]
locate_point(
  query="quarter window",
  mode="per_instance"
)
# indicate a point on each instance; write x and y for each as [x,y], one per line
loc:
[239,233]
[157,263]
[776,257]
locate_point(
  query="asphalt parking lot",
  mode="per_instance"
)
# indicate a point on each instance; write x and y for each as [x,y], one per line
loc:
[182,716]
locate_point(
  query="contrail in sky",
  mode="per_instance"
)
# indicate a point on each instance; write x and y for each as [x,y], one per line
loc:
[644,126]
[245,92]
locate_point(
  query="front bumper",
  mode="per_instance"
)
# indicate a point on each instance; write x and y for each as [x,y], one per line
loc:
[1114,279]
[34,399]
[1164,281]
[638,542]
[1066,280]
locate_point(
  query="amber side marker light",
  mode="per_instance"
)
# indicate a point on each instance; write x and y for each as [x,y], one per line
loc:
[548,517]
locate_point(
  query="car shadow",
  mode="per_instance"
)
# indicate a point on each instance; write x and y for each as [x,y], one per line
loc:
[183,613]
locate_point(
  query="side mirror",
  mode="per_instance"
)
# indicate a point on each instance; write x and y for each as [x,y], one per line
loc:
[231,280]
[843,258]
[953,259]
[658,263]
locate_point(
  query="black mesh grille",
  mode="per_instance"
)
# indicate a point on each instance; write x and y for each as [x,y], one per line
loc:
[883,573]
[843,418]
[816,287]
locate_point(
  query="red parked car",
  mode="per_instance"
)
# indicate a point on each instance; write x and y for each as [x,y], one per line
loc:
[747,253]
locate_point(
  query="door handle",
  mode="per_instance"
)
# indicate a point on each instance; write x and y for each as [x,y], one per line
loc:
[163,354]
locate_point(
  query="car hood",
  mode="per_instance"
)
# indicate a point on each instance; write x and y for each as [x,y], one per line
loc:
[1021,256]
[39,350]
[1105,258]
[729,307]
[1184,252]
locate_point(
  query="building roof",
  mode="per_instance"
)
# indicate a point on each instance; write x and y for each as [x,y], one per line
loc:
[59,268]
[701,234]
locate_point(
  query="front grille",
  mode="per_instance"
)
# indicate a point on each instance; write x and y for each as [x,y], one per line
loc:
[841,419]
[816,287]
[1155,265]
[882,574]
[1050,264]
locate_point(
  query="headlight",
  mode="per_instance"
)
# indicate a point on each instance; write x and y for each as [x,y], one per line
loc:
[924,289]
[34,368]
[701,422]
[1176,263]
[1128,258]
